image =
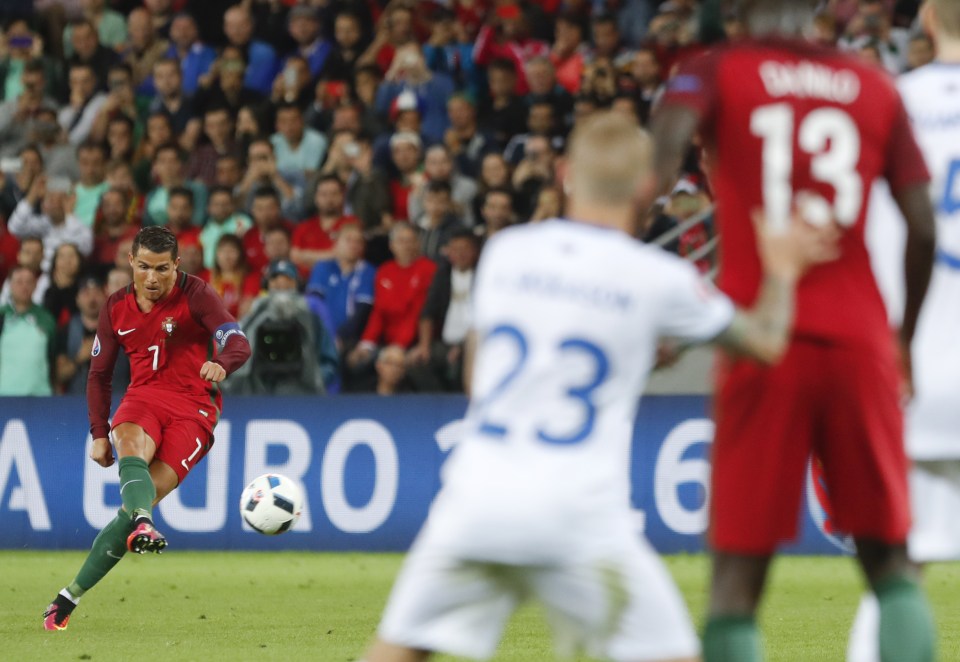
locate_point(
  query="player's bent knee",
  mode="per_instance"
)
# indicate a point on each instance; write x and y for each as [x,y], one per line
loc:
[130,440]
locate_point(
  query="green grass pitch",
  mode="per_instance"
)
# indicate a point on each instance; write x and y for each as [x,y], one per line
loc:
[300,606]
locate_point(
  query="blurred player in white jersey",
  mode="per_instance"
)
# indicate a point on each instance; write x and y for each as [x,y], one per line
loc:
[931,95]
[536,497]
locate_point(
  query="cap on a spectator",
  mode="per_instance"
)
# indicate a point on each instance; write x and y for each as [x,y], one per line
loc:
[508,12]
[282,268]
[303,11]
[405,137]
[406,100]
[685,185]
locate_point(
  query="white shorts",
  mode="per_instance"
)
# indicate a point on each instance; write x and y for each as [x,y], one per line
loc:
[624,608]
[935,496]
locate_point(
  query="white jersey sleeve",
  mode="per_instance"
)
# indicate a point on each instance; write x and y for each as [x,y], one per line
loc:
[694,309]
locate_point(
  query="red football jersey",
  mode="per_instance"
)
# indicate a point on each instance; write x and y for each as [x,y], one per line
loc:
[787,122]
[166,346]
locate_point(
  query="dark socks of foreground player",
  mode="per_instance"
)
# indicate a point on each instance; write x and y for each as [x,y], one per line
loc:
[108,548]
[136,487]
[907,631]
[731,639]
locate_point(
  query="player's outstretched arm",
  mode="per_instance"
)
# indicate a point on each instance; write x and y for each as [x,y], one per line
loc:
[103,357]
[763,331]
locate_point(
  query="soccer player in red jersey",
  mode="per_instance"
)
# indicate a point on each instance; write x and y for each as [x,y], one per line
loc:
[789,124]
[181,342]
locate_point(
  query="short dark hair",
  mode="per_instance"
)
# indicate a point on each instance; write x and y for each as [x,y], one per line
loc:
[267,192]
[503,64]
[121,66]
[34,66]
[181,192]
[439,186]
[168,60]
[329,177]
[219,188]
[171,146]
[498,190]
[92,145]
[282,229]
[466,233]
[156,239]
[288,105]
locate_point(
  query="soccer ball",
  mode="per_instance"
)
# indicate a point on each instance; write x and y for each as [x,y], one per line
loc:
[271,504]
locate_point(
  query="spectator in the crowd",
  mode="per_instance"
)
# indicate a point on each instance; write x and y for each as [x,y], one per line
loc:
[231,277]
[29,255]
[391,371]
[299,149]
[568,51]
[224,84]
[497,210]
[218,132]
[191,257]
[267,214]
[409,72]
[599,83]
[873,26]
[194,56]
[16,181]
[22,48]
[260,57]
[120,176]
[344,285]
[18,112]
[92,161]
[368,194]
[121,101]
[59,156]
[222,218]
[294,84]
[143,49]
[159,132]
[534,171]
[305,29]
[61,296]
[230,174]
[507,36]
[114,226]
[542,80]
[436,362]
[27,337]
[405,150]
[337,162]
[541,120]
[44,213]
[394,30]
[348,46]
[169,163]
[292,352]
[366,82]
[75,342]
[110,25]
[404,117]
[262,172]
[449,50]
[439,220]
[438,166]
[503,113]
[180,215]
[172,101]
[313,238]
[277,244]
[399,294]
[921,52]
[549,205]
[9,247]
[464,139]
[117,279]
[121,143]
[607,42]
[76,118]
[87,49]
[647,77]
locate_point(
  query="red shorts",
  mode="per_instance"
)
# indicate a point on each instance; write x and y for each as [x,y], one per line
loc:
[838,402]
[182,426]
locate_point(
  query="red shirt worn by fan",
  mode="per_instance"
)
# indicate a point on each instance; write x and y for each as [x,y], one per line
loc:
[399,295]
[783,122]
[166,346]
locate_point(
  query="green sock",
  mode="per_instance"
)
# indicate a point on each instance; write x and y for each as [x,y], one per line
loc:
[108,548]
[731,639]
[907,632]
[136,487]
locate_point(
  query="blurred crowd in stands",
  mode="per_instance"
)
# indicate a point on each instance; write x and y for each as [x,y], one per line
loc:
[331,167]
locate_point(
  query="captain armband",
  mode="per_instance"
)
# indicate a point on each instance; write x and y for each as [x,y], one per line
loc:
[224,331]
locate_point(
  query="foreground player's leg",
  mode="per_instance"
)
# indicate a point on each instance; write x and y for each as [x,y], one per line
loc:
[136,449]
[108,548]
[864,644]
[906,628]
[381,651]
[731,634]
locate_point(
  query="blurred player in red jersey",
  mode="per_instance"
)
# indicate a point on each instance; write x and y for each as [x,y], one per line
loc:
[789,124]
[168,323]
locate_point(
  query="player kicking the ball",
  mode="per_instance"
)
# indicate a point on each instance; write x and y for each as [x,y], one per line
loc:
[787,122]
[169,325]
[536,496]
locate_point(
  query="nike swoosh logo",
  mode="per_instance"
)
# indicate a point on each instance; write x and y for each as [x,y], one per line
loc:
[123,333]
[129,483]
[112,555]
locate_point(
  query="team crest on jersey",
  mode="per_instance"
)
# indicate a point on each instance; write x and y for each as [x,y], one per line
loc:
[95,351]
[169,325]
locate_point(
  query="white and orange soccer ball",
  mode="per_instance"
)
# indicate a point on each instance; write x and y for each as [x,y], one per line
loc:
[271,504]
